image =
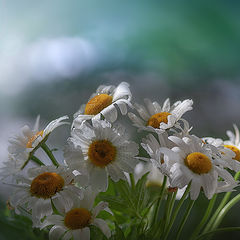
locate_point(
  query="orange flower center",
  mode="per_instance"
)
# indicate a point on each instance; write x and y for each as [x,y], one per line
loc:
[101,153]
[96,104]
[33,138]
[157,118]
[77,218]
[198,163]
[46,185]
[235,150]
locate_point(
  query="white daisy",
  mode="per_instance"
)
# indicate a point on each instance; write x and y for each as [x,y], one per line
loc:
[23,146]
[75,220]
[44,185]
[234,142]
[224,154]
[103,102]
[155,165]
[157,118]
[192,161]
[101,150]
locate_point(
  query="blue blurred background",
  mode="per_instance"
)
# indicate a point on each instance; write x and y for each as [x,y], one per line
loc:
[54,54]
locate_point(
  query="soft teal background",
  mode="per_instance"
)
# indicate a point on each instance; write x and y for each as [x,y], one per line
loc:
[54,54]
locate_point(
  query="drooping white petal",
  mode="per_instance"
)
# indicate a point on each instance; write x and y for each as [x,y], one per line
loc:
[100,223]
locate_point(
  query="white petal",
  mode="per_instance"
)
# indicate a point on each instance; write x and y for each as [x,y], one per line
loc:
[122,106]
[183,107]
[101,206]
[166,105]
[110,113]
[195,189]
[150,106]
[99,179]
[84,234]
[100,223]
[122,91]
[36,125]
[56,232]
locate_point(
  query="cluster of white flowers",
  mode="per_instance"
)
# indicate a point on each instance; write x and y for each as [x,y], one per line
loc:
[63,195]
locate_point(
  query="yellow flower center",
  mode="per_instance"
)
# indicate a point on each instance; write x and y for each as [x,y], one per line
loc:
[235,150]
[157,118]
[77,218]
[33,138]
[102,152]
[198,163]
[46,185]
[96,104]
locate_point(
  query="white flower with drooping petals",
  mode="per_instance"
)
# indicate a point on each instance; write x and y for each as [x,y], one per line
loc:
[44,185]
[75,220]
[229,151]
[192,161]
[24,145]
[152,147]
[157,118]
[155,165]
[101,150]
[104,102]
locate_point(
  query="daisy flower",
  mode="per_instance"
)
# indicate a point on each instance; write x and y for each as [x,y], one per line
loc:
[152,147]
[23,146]
[234,142]
[44,185]
[155,165]
[225,154]
[75,220]
[192,161]
[101,150]
[156,118]
[103,103]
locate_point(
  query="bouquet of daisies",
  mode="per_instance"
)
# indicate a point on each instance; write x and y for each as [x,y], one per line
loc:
[110,187]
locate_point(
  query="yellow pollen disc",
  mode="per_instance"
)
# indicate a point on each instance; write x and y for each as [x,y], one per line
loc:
[198,163]
[101,153]
[96,104]
[77,218]
[32,139]
[235,150]
[157,118]
[46,185]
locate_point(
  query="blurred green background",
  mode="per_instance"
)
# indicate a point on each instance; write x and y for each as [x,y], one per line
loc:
[54,54]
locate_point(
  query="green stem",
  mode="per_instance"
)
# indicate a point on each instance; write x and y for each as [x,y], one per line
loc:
[170,208]
[32,152]
[224,211]
[176,211]
[205,217]
[191,203]
[228,229]
[50,154]
[37,161]
[167,211]
[159,200]
[132,180]
[220,207]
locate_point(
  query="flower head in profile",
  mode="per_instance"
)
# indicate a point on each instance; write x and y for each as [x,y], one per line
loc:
[75,219]
[103,103]
[193,161]
[227,153]
[23,146]
[153,117]
[101,150]
[43,186]
[155,165]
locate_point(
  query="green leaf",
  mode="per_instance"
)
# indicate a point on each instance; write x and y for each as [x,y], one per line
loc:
[119,235]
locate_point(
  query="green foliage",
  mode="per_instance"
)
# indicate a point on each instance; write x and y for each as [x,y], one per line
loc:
[129,204]
[15,226]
